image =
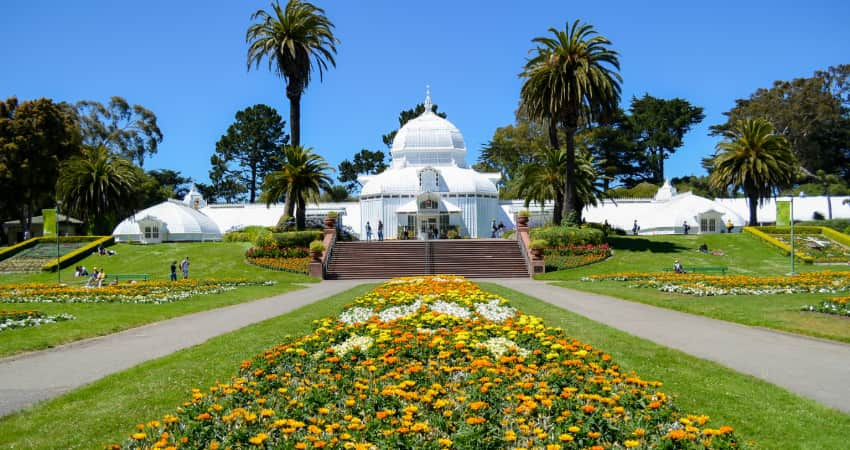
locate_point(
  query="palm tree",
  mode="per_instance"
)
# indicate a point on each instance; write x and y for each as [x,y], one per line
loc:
[543,178]
[292,39]
[97,186]
[755,159]
[302,177]
[572,80]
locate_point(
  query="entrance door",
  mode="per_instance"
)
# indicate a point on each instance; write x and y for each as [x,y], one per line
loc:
[427,226]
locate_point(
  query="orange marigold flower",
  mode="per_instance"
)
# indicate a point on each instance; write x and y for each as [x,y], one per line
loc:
[588,408]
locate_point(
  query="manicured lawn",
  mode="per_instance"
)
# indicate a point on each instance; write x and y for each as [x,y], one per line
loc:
[107,411]
[208,260]
[745,255]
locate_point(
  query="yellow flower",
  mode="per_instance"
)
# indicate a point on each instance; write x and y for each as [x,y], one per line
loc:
[139,436]
[631,443]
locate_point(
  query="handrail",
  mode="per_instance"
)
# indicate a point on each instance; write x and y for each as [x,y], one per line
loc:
[521,244]
[329,253]
[429,269]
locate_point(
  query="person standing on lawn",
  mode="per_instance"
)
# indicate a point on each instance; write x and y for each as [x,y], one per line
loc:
[173,270]
[184,266]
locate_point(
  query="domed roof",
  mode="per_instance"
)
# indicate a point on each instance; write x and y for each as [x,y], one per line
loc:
[406,181]
[181,222]
[429,140]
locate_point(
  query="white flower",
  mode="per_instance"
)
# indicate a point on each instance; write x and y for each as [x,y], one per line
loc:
[451,309]
[356,315]
[494,311]
[498,346]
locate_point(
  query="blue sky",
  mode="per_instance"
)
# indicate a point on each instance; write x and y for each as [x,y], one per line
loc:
[186,61]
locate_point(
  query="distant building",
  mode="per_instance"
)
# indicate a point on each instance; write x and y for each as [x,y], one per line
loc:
[170,221]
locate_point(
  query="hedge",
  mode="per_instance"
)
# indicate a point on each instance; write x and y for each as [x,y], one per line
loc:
[563,236]
[12,250]
[841,238]
[297,238]
[78,254]
[798,229]
[786,249]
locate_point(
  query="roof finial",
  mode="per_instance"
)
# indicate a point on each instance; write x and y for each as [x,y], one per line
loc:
[428,106]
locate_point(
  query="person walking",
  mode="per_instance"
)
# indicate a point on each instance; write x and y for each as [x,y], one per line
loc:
[173,270]
[184,266]
[368,231]
[635,228]
[380,230]
[686,227]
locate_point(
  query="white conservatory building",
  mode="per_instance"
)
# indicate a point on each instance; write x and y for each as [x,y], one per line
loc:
[171,220]
[429,188]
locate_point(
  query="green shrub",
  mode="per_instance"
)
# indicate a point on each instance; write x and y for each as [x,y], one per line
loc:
[523,213]
[237,236]
[282,223]
[296,238]
[317,246]
[265,238]
[508,234]
[538,244]
[332,215]
[847,230]
[563,236]
[452,234]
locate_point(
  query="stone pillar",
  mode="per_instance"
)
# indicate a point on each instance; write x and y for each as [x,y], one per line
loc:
[537,264]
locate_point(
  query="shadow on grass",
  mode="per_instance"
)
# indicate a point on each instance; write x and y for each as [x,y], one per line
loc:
[638,244]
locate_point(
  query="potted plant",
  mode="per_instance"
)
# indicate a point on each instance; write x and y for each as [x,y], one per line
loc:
[330,219]
[537,246]
[522,218]
[316,249]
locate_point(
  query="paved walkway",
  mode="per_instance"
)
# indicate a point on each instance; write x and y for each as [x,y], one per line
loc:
[33,377]
[814,368]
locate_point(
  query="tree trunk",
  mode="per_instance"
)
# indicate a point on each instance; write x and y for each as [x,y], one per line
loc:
[828,203]
[570,194]
[558,211]
[753,200]
[253,183]
[288,205]
[301,214]
[294,96]
[660,174]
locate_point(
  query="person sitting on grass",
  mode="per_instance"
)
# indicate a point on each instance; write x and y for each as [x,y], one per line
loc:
[677,267]
[703,248]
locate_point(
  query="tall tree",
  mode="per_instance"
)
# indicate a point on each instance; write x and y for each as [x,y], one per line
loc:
[510,149]
[571,80]
[175,184]
[129,131]
[98,187]
[365,162]
[826,180]
[35,137]
[613,146]
[292,40]
[224,184]
[543,178]
[754,159]
[406,116]
[251,143]
[301,178]
[812,113]
[661,126]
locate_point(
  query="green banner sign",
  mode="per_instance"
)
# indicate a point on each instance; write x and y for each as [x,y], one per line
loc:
[783,213]
[49,216]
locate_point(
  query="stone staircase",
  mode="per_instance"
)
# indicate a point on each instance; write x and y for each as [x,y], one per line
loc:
[472,258]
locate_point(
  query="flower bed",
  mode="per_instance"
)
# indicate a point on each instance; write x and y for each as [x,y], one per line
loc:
[569,256]
[155,292]
[431,363]
[822,250]
[9,320]
[296,265]
[701,285]
[839,306]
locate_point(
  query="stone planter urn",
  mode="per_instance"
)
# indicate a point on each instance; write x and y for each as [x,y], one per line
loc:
[522,221]
[317,256]
[536,253]
[330,222]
